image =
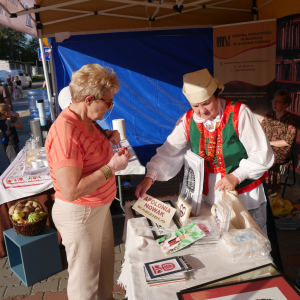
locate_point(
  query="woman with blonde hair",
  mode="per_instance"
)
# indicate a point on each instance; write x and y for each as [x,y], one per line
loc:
[82,167]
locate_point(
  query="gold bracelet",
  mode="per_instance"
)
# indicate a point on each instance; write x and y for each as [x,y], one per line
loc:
[107,171]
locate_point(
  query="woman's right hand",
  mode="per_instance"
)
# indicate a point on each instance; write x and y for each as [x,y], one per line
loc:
[119,161]
[143,187]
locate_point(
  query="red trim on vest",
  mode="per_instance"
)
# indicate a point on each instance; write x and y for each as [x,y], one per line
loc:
[228,109]
[188,117]
[253,185]
[235,118]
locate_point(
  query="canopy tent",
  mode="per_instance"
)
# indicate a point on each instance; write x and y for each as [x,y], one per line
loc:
[63,20]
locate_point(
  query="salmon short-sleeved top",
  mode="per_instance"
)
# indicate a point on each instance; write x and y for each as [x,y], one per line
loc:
[70,144]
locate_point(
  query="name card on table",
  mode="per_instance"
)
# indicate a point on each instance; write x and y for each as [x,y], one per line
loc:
[155,210]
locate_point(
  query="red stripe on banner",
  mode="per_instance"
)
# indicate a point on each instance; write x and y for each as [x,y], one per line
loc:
[249,83]
[259,47]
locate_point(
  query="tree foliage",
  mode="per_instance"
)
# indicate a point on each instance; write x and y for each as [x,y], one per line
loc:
[14,45]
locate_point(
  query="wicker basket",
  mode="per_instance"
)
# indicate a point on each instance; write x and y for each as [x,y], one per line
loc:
[29,229]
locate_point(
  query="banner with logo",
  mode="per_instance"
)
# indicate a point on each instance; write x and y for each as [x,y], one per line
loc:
[244,61]
[24,23]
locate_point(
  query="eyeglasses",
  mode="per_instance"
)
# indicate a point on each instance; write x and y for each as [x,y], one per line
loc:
[110,103]
[277,102]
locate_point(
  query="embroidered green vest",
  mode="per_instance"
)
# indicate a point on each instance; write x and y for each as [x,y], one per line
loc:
[229,149]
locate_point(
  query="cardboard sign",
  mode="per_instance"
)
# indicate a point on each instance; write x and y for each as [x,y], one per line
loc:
[155,210]
[183,209]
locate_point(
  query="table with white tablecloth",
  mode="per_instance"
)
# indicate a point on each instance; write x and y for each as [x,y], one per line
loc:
[16,184]
[141,247]
[19,180]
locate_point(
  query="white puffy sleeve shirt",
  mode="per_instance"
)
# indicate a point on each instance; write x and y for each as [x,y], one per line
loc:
[170,156]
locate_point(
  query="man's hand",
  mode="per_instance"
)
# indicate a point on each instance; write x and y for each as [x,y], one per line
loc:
[228,181]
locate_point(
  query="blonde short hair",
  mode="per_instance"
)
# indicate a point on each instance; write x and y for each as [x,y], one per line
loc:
[4,108]
[93,79]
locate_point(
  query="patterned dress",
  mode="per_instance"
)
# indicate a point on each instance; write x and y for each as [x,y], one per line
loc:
[284,128]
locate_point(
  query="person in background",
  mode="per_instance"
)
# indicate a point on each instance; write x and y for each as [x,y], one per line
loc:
[230,139]
[9,121]
[9,84]
[5,96]
[280,127]
[82,167]
[18,88]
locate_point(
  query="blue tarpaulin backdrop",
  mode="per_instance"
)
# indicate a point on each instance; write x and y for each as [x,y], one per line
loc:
[149,66]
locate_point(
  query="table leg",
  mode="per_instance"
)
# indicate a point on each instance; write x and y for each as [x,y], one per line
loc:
[120,199]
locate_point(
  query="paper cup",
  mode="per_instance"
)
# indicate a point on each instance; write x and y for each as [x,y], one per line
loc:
[119,124]
[45,163]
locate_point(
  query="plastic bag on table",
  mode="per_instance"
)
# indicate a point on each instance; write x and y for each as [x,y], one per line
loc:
[240,217]
[221,213]
[246,243]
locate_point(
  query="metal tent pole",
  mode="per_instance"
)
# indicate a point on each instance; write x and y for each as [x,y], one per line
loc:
[46,75]
[53,80]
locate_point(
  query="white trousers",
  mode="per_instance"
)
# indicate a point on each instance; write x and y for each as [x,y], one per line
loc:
[87,234]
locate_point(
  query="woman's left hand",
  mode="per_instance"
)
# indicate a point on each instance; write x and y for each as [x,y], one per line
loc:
[228,181]
[114,136]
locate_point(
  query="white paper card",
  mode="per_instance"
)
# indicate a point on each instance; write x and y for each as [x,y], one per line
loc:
[192,185]
[183,209]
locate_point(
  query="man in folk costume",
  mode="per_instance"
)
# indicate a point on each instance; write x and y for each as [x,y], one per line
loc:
[228,136]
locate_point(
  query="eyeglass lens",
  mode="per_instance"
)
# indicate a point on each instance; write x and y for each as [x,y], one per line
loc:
[277,102]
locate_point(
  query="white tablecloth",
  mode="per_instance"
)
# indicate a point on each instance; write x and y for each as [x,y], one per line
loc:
[15,186]
[141,248]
